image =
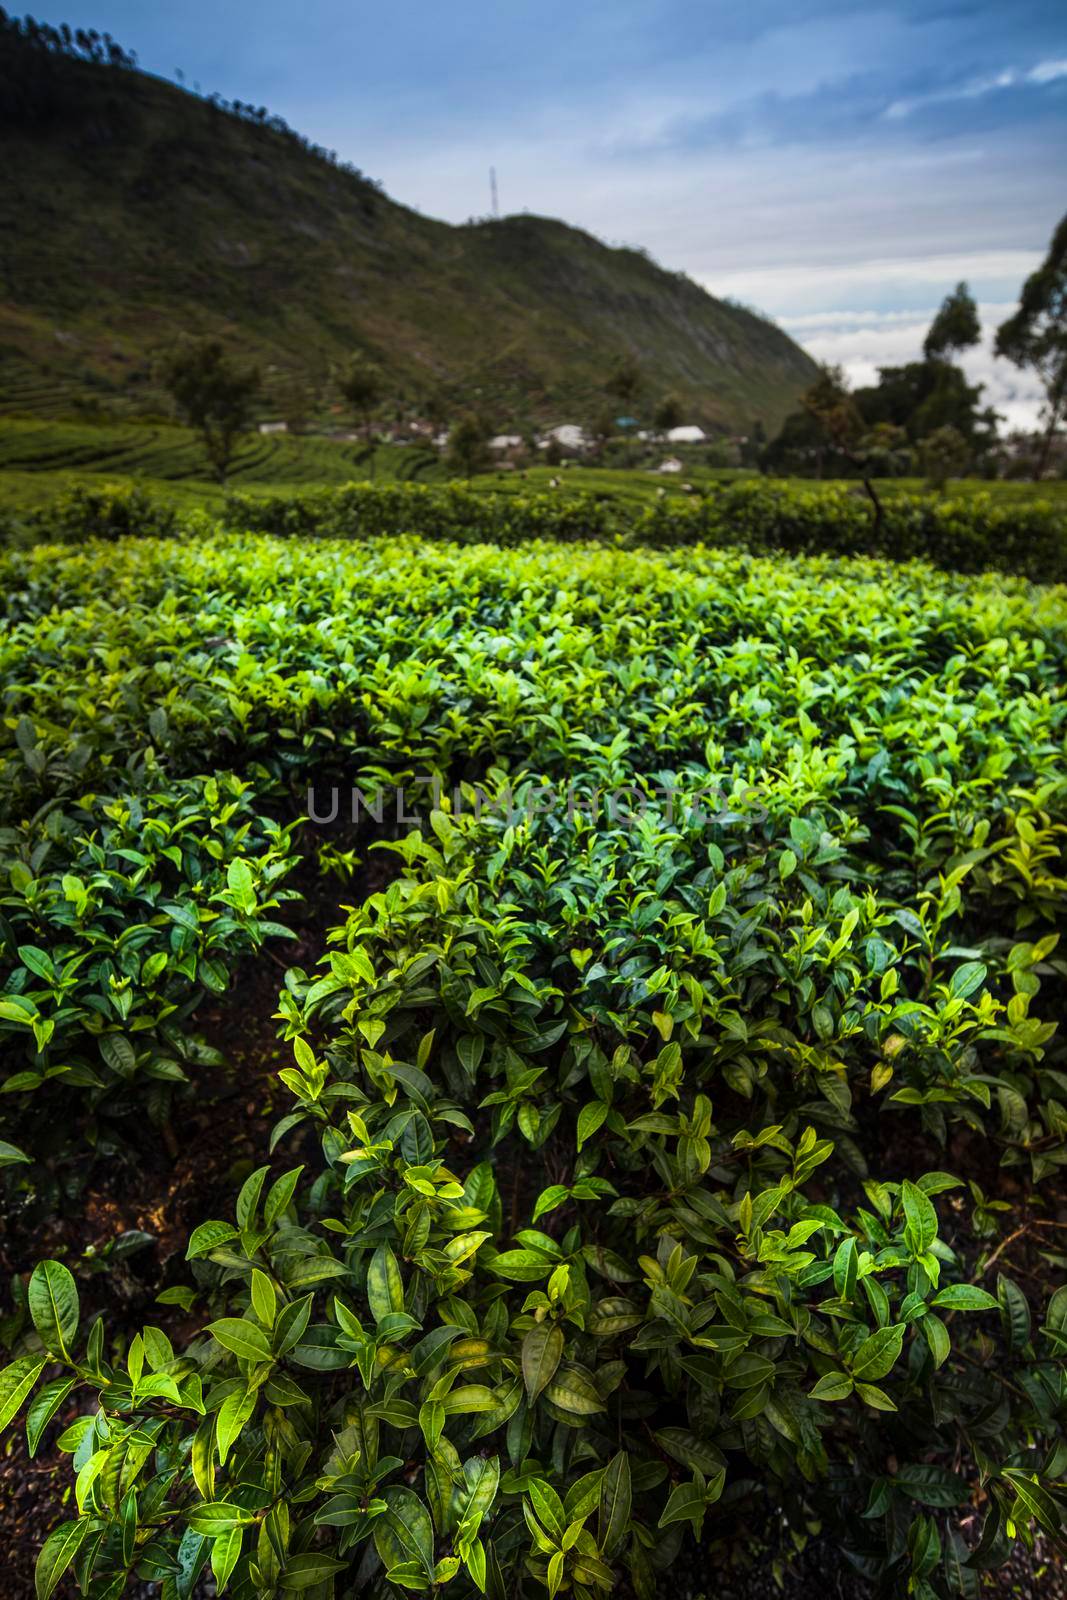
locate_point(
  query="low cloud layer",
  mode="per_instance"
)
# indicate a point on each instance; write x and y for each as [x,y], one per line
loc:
[861,342]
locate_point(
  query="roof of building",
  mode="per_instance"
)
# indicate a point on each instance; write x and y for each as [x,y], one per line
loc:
[569,434]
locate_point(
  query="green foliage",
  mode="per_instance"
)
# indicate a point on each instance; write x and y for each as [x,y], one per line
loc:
[361,384]
[962,535]
[577,1234]
[885,450]
[116,916]
[1035,336]
[574,1400]
[164,464]
[836,433]
[455,511]
[467,450]
[955,327]
[625,381]
[669,413]
[213,393]
[944,456]
[107,511]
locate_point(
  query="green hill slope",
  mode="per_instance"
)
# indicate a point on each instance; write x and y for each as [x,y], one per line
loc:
[133,211]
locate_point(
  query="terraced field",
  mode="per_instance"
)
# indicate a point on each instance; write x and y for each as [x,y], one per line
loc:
[39,458]
[27,390]
[169,454]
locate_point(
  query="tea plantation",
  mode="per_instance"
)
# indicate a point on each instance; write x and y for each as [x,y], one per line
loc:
[669,1142]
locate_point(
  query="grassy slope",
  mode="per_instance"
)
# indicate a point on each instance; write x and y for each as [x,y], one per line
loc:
[143,211]
[40,459]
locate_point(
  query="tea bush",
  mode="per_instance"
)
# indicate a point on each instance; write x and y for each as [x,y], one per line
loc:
[615,1206]
[412,1406]
[118,915]
[965,535]
[107,511]
[369,510]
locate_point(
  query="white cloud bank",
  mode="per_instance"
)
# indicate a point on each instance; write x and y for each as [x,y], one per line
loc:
[837,312]
[861,342]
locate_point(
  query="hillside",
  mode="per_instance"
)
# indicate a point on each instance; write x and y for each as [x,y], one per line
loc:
[133,211]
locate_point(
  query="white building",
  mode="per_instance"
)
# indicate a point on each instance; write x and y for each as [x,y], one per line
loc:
[569,436]
[274,427]
[672,464]
[688,434]
[506,441]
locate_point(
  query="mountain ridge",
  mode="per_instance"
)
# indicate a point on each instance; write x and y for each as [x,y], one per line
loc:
[137,211]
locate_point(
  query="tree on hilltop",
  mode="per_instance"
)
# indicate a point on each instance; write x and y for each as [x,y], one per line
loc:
[296,400]
[599,429]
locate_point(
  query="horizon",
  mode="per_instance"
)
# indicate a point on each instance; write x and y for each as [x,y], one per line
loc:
[767,159]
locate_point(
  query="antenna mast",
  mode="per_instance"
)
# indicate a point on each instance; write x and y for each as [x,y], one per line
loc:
[494,198]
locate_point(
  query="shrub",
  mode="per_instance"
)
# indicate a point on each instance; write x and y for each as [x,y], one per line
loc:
[400,1386]
[578,1236]
[970,535]
[16,532]
[112,511]
[366,510]
[118,916]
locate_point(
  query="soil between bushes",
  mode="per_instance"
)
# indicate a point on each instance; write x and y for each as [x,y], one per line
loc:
[221,1133]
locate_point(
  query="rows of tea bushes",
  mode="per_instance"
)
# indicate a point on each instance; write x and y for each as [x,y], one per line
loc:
[165,453]
[639,1181]
[971,534]
[965,535]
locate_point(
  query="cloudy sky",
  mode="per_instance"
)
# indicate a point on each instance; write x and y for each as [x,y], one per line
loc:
[839,166]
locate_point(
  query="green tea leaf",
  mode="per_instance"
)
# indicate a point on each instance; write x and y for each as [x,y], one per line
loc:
[405,1532]
[385,1287]
[243,1338]
[225,1554]
[878,1354]
[572,1392]
[832,1386]
[53,1302]
[16,1382]
[218,1517]
[615,1504]
[964,1297]
[590,1118]
[920,1216]
[542,1349]
[57,1553]
[207,1237]
[42,1409]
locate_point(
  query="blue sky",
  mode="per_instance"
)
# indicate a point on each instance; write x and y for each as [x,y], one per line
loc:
[839,167]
